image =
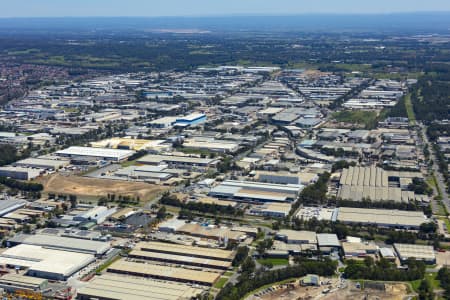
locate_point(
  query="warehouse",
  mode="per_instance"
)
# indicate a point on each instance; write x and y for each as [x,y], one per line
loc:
[15,282]
[111,286]
[146,173]
[418,252]
[7,206]
[180,259]
[189,120]
[297,237]
[183,162]
[133,144]
[97,214]
[221,234]
[97,153]
[328,242]
[213,145]
[271,209]
[381,217]
[19,173]
[45,263]
[61,243]
[357,183]
[176,249]
[41,163]
[256,192]
[164,272]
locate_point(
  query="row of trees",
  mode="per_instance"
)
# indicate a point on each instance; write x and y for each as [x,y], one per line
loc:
[444,277]
[21,185]
[246,284]
[209,208]
[384,270]
[313,194]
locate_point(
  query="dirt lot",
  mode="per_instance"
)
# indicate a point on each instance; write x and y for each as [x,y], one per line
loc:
[393,291]
[95,188]
[336,290]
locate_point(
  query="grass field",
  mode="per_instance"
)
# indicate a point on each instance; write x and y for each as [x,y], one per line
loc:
[410,110]
[366,118]
[221,282]
[274,261]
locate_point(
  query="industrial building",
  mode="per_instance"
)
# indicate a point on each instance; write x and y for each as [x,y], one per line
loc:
[97,214]
[213,145]
[41,163]
[180,259]
[115,155]
[418,252]
[185,250]
[328,242]
[256,192]
[133,144]
[296,236]
[111,286]
[376,184]
[15,282]
[61,243]
[271,209]
[45,262]
[358,249]
[7,206]
[190,120]
[164,272]
[19,173]
[381,217]
[183,162]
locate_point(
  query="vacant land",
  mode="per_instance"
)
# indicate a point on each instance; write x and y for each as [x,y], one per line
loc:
[366,118]
[96,188]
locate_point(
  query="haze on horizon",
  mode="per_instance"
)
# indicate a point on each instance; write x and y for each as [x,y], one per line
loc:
[152,8]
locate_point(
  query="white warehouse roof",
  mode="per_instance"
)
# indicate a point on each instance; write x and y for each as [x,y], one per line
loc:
[96,152]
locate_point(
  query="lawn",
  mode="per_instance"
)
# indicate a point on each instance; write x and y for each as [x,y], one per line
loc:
[431,277]
[410,110]
[366,118]
[221,282]
[274,261]
[228,274]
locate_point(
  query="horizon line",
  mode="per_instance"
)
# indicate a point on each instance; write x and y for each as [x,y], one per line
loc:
[240,15]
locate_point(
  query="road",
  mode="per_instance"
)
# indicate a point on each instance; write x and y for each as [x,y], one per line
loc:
[439,178]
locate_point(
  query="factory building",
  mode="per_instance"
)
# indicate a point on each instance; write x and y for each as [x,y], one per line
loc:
[182,162]
[15,282]
[41,163]
[271,209]
[185,250]
[296,237]
[180,259]
[19,173]
[115,155]
[256,192]
[381,217]
[96,248]
[418,252]
[376,184]
[45,262]
[164,273]
[7,206]
[112,286]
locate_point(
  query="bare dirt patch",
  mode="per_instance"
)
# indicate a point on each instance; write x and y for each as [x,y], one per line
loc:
[93,187]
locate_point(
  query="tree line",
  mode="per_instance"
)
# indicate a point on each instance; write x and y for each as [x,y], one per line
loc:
[384,270]
[209,208]
[246,284]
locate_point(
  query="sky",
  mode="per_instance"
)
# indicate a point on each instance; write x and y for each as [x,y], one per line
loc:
[158,8]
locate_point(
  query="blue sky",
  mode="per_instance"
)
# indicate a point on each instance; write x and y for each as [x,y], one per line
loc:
[152,8]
